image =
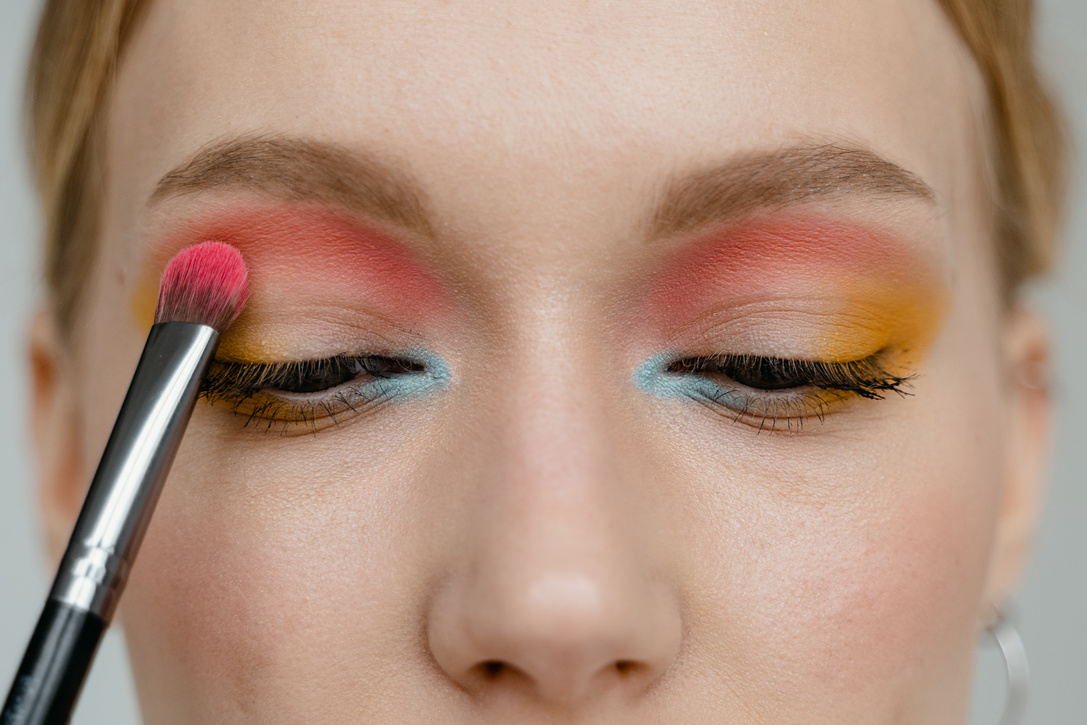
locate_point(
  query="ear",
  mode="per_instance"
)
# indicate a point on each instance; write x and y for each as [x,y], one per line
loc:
[55,423]
[1026,449]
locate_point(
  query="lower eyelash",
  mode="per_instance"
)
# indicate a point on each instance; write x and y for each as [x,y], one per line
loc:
[273,411]
[771,413]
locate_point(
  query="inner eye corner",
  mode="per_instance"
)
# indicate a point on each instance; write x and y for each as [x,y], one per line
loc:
[688,364]
[414,366]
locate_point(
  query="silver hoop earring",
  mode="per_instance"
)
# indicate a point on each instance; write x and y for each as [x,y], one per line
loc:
[1015,666]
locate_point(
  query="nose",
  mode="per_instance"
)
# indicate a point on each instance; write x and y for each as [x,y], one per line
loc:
[560,637]
[555,591]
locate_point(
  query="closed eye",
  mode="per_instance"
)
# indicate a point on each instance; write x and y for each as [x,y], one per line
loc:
[866,377]
[777,394]
[312,392]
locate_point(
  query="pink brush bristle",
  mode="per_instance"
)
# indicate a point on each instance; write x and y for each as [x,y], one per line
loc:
[206,283]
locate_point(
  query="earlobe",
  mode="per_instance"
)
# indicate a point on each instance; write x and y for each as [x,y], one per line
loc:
[1027,358]
[55,426]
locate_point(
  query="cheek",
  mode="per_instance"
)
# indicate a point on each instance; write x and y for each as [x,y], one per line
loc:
[881,591]
[853,577]
[270,564]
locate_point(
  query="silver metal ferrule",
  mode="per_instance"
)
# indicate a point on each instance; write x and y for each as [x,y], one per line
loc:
[133,467]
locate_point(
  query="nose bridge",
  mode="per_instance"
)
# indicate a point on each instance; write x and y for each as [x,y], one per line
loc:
[554,594]
[563,471]
[562,439]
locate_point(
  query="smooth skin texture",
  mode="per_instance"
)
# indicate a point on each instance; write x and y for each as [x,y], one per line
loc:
[541,540]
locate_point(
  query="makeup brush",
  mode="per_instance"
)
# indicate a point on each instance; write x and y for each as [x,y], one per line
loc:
[203,290]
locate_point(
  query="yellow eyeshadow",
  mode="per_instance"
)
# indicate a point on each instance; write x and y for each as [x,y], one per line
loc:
[902,318]
[143,301]
[242,343]
[245,342]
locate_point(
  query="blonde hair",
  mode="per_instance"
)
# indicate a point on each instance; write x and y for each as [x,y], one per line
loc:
[79,44]
[1030,140]
[72,67]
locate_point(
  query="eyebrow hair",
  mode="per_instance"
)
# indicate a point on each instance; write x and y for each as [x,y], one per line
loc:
[301,170]
[767,181]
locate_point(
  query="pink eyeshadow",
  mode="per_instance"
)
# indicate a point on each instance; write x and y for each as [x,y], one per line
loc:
[768,256]
[304,249]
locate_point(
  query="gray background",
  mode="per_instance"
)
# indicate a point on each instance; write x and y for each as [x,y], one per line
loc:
[1053,603]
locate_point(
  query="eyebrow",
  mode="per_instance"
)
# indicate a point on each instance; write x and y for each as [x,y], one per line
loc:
[301,170]
[769,181]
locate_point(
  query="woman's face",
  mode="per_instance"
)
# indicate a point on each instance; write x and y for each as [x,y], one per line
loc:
[664,375]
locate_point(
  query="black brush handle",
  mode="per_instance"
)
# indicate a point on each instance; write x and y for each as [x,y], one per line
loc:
[54,667]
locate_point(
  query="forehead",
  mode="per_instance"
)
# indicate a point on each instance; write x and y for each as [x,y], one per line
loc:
[514,95]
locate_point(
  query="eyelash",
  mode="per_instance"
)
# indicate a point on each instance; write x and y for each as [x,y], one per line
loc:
[306,392]
[768,392]
[762,391]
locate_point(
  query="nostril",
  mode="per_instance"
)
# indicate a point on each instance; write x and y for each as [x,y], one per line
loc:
[489,673]
[558,635]
[492,668]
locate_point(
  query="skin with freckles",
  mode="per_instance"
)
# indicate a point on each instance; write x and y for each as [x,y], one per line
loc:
[529,211]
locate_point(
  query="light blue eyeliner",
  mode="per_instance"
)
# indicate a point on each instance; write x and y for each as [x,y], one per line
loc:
[434,377]
[653,377]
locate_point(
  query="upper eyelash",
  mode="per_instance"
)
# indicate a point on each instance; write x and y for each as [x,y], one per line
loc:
[239,385]
[866,378]
[233,380]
